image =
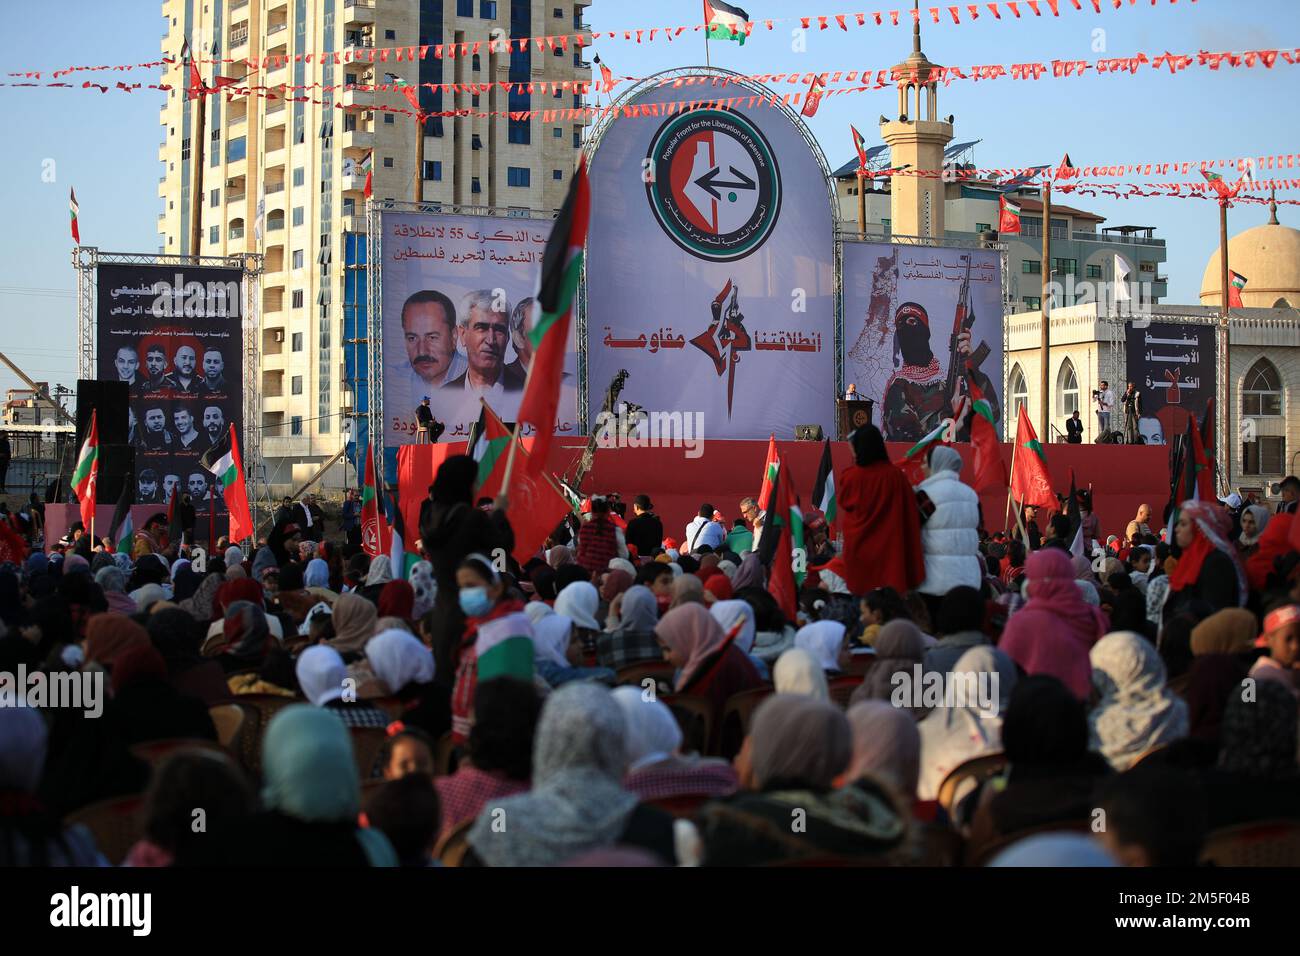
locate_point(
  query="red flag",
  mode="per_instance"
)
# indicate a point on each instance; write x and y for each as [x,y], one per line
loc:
[769,472]
[12,547]
[782,534]
[86,472]
[813,98]
[374,530]
[1030,483]
[990,471]
[1008,215]
[195,87]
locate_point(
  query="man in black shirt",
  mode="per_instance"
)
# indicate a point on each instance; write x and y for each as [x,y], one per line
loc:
[1074,429]
[645,531]
[430,427]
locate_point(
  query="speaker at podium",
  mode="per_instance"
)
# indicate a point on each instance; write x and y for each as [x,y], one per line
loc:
[852,414]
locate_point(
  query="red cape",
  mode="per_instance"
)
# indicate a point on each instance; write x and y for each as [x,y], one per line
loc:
[882,529]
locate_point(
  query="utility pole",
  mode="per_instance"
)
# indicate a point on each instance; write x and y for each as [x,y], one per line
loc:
[1223,447]
[1045,303]
[197,138]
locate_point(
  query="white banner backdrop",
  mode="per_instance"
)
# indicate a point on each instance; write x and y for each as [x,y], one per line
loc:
[457,296]
[901,315]
[710,269]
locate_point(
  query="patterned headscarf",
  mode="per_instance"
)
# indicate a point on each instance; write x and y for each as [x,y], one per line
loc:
[1214,526]
[1136,711]
[426,588]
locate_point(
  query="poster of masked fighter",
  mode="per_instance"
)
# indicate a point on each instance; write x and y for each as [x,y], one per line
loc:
[922,324]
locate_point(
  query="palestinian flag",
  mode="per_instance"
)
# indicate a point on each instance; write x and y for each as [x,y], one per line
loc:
[373,527]
[860,145]
[367,167]
[1236,282]
[122,529]
[1207,433]
[537,504]
[1008,215]
[398,555]
[223,460]
[824,486]
[86,473]
[503,647]
[1077,544]
[782,539]
[769,475]
[606,74]
[916,455]
[1066,169]
[561,269]
[990,472]
[491,449]
[725,22]
[1220,187]
[813,98]
[1030,483]
[1193,479]
[72,207]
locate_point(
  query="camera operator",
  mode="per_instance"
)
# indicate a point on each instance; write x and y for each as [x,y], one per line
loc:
[1105,400]
[1132,400]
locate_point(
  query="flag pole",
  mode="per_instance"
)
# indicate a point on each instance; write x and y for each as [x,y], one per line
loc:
[212,517]
[1006,519]
[1221,412]
[1044,308]
[706,34]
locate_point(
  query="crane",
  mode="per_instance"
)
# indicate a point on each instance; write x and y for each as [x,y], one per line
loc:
[42,392]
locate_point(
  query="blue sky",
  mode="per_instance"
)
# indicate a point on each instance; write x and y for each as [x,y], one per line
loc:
[106,145]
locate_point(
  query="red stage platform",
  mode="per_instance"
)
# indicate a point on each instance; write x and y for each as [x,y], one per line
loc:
[1121,476]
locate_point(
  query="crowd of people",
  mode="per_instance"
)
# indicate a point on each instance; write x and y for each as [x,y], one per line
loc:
[632,696]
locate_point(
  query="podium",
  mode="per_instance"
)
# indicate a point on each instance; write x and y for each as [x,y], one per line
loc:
[851,415]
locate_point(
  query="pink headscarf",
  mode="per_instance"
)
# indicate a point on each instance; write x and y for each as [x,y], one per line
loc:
[1055,630]
[691,631]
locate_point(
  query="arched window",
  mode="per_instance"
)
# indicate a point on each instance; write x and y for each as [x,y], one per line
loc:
[1261,392]
[1019,390]
[1067,390]
[477,65]
[236,229]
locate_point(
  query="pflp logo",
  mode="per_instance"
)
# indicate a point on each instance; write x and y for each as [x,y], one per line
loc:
[716,188]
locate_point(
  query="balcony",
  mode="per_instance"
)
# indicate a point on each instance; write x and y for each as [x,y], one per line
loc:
[275,114]
[358,11]
[273,29]
[238,36]
[363,137]
[1112,238]
[274,158]
[270,189]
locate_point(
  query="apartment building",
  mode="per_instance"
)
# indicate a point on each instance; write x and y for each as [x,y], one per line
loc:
[282,177]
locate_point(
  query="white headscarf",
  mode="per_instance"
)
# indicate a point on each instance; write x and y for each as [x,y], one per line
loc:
[727,613]
[822,639]
[797,672]
[579,601]
[381,571]
[321,673]
[551,635]
[728,568]
[536,610]
[398,658]
[622,564]
[1136,711]
[653,734]
[234,555]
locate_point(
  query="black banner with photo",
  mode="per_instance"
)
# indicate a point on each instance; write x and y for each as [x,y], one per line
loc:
[1173,368]
[174,334]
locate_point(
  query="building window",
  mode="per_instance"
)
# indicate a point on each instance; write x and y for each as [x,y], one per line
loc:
[299,176]
[557,133]
[236,229]
[295,385]
[1094,271]
[214,234]
[1067,390]
[214,198]
[390,34]
[296,342]
[465,8]
[295,425]
[519,132]
[1261,392]
[389,118]
[476,142]
[299,212]
[473,101]
[275,220]
[983,227]
[577,138]
[557,174]
[887,224]
[474,186]
[236,149]
[349,123]
[1264,456]
[296,298]
[1032,302]
[1145,266]
[433,169]
[476,63]
[1019,391]
[1065,267]
[487,9]
[297,258]
[388,162]
[1031,267]
[558,13]
[577,101]
[518,175]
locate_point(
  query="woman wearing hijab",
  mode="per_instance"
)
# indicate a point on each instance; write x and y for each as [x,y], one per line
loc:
[579,602]
[310,800]
[113,583]
[824,640]
[354,623]
[615,582]
[397,599]
[798,747]
[750,574]
[405,668]
[451,528]
[734,614]
[1050,772]
[881,523]
[1208,570]
[1135,711]
[248,638]
[177,636]
[656,769]
[1230,631]
[970,727]
[577,802]
[887,748]
[950,533]
[708,662]
[798,672]
[241,589]
[717,588]
[1254,519]
[1257,777]
[900,649]
[145,706]
[1055,630]
[316,579]
[379,574]
[631,640]
[557,652]
[321,675]
[686,589]
[424,588]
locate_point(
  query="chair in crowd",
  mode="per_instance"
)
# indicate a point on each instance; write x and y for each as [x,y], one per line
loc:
[229,720]
[860,664]
[740,707]
[366,744]
[984,853]
[1262,843]
[842,688]
[452,848]
[258,711]
[154,752]
[115,824]
[659,671]
[695,717]
[973,772]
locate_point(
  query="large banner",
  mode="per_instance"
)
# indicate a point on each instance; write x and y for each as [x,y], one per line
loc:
[175,335]
[710,269]
[457,306]
[913,317]
[1173,369]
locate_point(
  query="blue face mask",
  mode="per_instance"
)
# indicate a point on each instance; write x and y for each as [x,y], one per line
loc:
[475,601]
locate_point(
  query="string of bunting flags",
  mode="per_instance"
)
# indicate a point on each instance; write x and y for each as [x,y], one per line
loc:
[1013,9]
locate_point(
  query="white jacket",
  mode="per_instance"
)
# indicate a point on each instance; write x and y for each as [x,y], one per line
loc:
[950,537]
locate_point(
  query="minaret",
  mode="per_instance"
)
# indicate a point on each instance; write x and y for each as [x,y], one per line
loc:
[917,138]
